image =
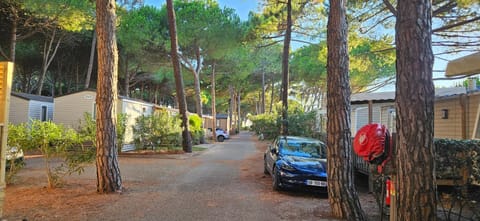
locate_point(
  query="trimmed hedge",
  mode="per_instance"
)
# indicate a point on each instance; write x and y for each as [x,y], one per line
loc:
[453,156]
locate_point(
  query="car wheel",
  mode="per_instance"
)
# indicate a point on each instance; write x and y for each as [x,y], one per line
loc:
[265,169]
[276,180]
[220,138]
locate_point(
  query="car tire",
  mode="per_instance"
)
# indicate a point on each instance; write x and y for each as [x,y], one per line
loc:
[265,169]
[276,180]
[220,138]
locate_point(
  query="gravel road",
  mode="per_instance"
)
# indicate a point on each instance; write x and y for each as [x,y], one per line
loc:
[224,182]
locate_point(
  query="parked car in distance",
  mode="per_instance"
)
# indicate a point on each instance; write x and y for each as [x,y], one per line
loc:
[297,162]
[221,135]
[13,154]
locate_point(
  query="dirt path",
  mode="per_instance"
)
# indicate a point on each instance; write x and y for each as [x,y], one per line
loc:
[153,185]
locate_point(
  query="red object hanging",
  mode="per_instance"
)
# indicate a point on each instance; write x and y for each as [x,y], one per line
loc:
[369,143]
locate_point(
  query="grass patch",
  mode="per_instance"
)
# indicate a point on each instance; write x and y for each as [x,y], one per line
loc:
[198,148]
[179,149]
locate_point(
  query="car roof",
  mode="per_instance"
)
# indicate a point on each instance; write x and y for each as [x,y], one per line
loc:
[298,138]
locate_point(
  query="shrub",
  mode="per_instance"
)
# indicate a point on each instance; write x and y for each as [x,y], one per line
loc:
[53,141]
[88,128]
[459,160]
[299,124]
[453,156]
[265,124]
[121,127]
[17,137]
[157,130]
[195,128]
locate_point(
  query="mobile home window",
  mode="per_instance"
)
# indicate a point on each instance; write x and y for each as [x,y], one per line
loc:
[44,113]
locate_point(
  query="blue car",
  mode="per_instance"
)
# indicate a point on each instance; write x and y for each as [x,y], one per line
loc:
[297,162]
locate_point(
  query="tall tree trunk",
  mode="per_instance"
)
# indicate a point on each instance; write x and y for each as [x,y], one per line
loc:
[239,118]
[108,171]
[285,77]
[13,41]
[272,96]
[414,102]
[90,62]
[232,106]
[196,78]
[182,102]
[214,110]
[127,77]
[342,194]
[262,108]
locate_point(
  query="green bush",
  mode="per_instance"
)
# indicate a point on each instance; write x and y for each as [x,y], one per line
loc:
[16,138]
[121,127]
[53,141]
[195,127]
[452,156]
[88,128]
[453,160]
[299,124]
[156,131]
[266,124]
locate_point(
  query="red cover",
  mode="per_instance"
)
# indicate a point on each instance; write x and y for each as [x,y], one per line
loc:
[369,142]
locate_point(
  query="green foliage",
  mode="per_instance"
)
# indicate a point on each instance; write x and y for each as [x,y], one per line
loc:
[53,141]
[139,30]
[309,64]
[453,156]
[370,60]
[17,137]
[299,124]
[456,160]
[204,24]
[121,127]
[88,127]
[157,131]
[195,128]
[71,15]
[265,124]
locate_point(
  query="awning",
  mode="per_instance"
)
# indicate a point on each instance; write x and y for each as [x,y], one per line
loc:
[467,65]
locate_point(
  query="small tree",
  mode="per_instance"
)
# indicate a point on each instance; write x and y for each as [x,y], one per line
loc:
[55,141]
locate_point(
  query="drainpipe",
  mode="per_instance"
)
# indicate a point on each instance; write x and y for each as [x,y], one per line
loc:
[370,111]
[463,107]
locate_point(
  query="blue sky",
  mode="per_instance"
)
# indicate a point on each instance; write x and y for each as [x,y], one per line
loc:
[242,7]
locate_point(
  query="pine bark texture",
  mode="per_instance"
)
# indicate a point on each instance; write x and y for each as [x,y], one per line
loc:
[214,110]
[285,77]
[415,182]
[182,102]
[342,194]
[108,171]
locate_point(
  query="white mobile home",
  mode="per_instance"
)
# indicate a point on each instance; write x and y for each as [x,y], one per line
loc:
[72,107]
[25,107]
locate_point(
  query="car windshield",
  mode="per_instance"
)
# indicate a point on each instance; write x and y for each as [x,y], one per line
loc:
[303,148]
